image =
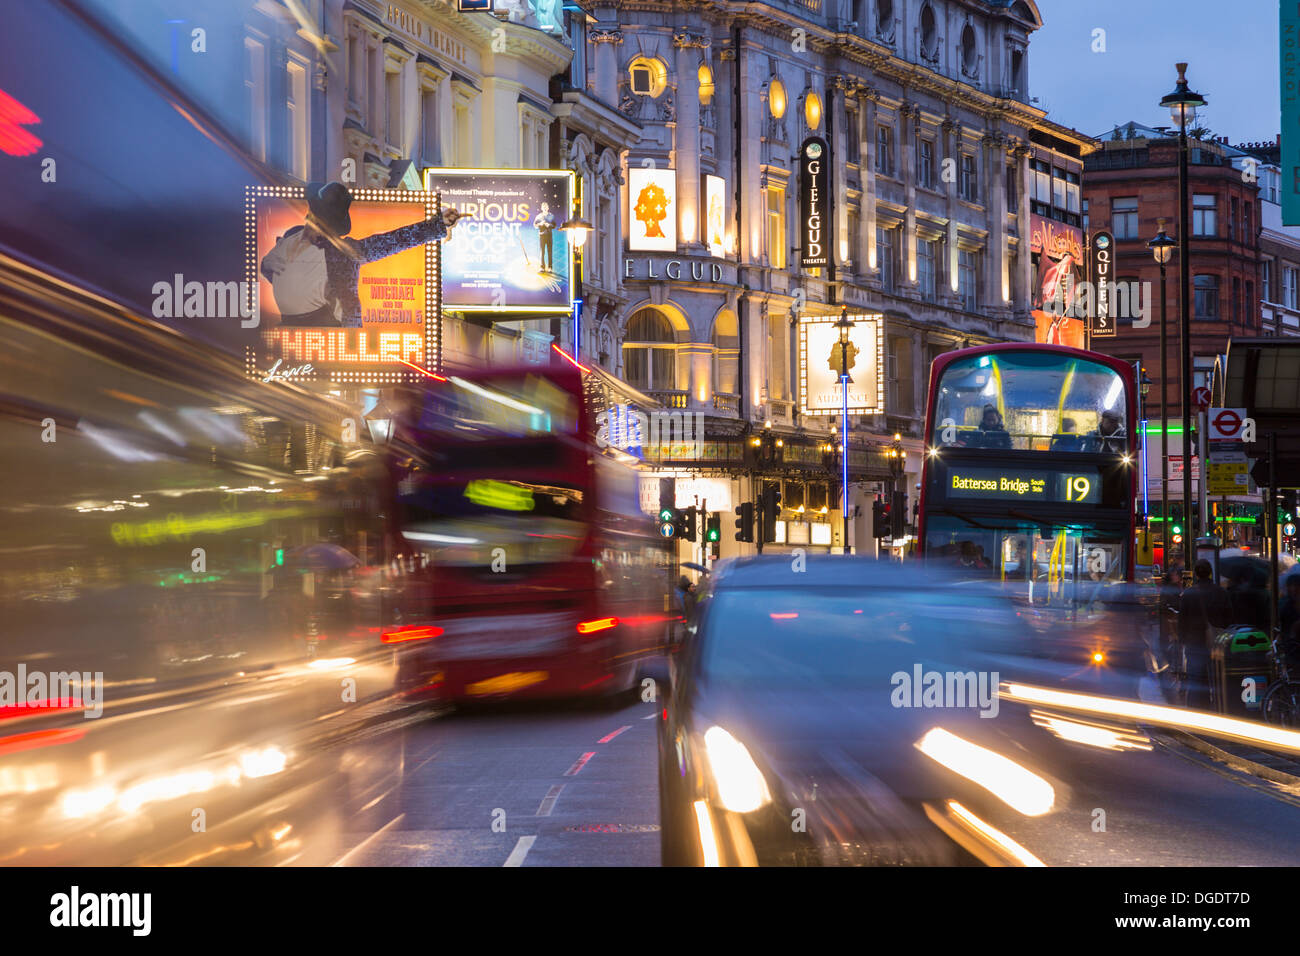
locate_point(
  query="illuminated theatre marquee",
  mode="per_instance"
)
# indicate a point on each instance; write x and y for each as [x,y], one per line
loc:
[397,323]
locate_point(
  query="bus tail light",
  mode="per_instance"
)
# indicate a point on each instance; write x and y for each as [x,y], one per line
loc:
[410,632]
[600,624]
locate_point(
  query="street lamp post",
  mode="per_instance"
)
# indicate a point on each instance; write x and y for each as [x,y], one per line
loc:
[845,325]
[577,229]
[1162,247]
[1182,104]
[897,468]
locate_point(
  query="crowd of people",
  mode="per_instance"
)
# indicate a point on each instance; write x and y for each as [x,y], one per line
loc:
[1206,609]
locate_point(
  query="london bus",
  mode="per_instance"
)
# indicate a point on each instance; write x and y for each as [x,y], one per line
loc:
[1030,473]
[540,576]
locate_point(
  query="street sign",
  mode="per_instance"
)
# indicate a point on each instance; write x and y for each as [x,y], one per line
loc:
[1176,468]
[1227,478]
[1225,424]
[1201,396]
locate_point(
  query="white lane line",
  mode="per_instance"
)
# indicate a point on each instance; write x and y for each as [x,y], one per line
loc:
[649,716]
[377,799]
[548,802]
[364,843]
[582,762]
[516,857]
[608,737]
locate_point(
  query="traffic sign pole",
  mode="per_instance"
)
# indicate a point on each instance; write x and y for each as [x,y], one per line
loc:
[1202,435]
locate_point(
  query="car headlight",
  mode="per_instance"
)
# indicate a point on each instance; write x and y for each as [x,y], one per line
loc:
[741,787]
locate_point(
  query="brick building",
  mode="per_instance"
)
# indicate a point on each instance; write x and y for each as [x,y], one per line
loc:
[1130,182]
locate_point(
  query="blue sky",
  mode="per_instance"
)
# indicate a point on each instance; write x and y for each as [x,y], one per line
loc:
[1231,50]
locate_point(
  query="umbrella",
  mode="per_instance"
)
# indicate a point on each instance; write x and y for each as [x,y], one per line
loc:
[1257,568]
[321,556]
[695,567]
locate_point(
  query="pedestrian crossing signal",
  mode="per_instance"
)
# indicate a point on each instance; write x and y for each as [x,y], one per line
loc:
[713,528]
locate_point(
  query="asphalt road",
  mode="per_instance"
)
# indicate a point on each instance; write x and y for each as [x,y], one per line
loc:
[521,786]
[564,785]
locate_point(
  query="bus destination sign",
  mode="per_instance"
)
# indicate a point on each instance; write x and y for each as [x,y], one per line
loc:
[1029,485]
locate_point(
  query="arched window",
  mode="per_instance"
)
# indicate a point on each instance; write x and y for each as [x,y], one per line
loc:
[649,353]
[726,354]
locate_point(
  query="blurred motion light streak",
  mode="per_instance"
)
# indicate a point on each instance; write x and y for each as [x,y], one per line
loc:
[707,842]
[1229,727]
[1015,785]
[995,835]
[741,787]
[1093,735]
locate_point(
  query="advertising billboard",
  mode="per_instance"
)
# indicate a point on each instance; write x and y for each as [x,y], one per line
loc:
[509,253]
[347,295]
[821,358]
[652,210]
[1059,249]
[715,215]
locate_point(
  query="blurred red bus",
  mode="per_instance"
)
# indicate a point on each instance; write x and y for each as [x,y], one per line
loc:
[535,572]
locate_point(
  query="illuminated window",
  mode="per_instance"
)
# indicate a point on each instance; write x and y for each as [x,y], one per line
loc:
[707,88]
[648,76]
[776,99]
[812,111]
[726,354]
[649,352]
[776,235]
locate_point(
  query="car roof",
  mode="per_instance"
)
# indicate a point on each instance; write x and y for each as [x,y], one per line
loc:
[819,570]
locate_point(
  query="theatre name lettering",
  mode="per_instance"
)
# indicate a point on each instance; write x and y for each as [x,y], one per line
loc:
[696,270]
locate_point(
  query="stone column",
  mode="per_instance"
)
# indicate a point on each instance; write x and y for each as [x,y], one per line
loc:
[686,137]
[607,39]
[995,265]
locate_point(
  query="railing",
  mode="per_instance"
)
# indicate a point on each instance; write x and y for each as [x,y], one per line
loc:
[726,403]
[670,398]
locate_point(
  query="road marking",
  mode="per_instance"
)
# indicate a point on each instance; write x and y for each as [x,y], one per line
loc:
[377,799]
[364,843]
[649,716]
[608,737]
[548,802]
[516,857]
[582,762]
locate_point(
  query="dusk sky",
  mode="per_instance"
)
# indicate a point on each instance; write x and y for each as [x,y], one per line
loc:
[1231,50]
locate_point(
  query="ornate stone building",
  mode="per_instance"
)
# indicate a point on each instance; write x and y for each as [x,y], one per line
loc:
[925,108]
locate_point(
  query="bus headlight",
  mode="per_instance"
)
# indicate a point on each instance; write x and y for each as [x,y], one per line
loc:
[741,787]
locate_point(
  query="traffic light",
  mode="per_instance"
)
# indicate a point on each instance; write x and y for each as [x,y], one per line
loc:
[686,524]
[898,514]
[668,523]
[771,508]
[745,522]
[880,519]
[713,528]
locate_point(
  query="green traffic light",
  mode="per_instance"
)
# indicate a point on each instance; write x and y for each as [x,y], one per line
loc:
[713,534]
[279,557]
[1177,530]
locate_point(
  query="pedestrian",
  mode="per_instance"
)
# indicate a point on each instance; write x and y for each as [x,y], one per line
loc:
[1289,609]
[1248,601]
[686,600]
[1203,611]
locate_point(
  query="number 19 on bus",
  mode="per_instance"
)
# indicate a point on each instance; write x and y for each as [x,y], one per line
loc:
[1077,487]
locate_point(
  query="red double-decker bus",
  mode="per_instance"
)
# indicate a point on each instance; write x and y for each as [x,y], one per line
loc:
[1030,471]
[534,572]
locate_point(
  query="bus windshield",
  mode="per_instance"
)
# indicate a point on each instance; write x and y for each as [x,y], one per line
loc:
[491,407]
[1047,564]
[1031,401]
